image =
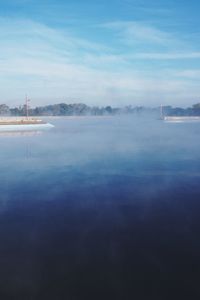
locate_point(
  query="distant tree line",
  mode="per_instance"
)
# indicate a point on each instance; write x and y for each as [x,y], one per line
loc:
[178,111]
[77,109]
[80,109]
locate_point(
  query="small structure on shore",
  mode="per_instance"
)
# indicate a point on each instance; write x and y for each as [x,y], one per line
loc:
[23,123]
[177,119]
[181,119]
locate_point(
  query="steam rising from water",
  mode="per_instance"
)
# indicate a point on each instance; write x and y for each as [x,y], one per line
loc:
[100,204]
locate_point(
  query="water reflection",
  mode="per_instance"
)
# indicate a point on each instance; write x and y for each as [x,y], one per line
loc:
[20,133]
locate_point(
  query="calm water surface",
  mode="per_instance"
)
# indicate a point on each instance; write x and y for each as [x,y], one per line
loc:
[101,208]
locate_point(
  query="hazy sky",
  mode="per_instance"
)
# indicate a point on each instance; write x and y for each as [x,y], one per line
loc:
[116,52]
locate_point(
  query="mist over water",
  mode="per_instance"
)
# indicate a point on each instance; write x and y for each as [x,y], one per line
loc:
[101,208]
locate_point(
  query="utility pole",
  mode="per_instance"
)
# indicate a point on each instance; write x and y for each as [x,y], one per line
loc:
[27,107]
[161,112]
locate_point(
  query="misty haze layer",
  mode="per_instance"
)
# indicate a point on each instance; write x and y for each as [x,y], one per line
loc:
[101,208]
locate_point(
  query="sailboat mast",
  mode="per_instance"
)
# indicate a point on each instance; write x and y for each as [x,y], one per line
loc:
[27,112]
[161,111]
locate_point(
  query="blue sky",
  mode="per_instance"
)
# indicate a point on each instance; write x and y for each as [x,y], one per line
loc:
[116,52]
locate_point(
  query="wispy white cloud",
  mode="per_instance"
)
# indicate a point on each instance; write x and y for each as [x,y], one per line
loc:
[131,32]
[54,65]
[190,74]
[25,38]
[55,82]
[128,58]
[166,56]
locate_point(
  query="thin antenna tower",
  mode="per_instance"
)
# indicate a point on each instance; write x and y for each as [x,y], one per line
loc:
[161,111]
[27,107]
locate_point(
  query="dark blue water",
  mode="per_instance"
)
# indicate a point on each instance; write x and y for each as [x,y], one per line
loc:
[101,208]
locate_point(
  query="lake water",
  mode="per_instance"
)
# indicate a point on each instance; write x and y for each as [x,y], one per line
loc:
[101,208]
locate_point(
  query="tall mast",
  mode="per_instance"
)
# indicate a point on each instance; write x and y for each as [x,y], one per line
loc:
[161,111]
[27,100]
